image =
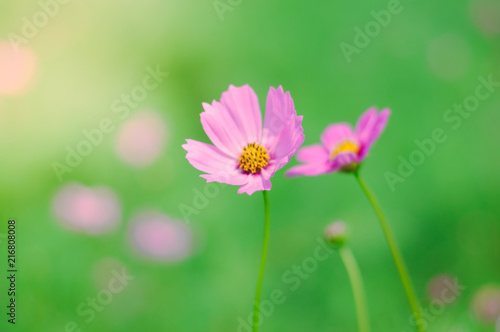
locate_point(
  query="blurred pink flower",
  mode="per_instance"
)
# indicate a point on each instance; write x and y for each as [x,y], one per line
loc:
[141,139]
[88,210]
[245,154]
[486,15]
[486,304]
[444,288]
[341,148]
[157,237]
[17,68]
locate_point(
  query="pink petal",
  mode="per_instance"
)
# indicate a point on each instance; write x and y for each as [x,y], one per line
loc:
[243,106]
[344,159]
[209,159]
[205,157]
[283,132]
[256,182]
[370,126]
[337,133]
[380,124]
[236,178]
[289,140]
[365,123]
[315,159]
[279,109]
[286,144]
[313,154]
[222,130]
[309,170]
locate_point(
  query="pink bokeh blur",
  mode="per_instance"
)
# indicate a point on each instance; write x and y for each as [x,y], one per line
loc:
[157,237]
[486,304]
[141,139]
[443,288]
[88,210]
[486,15]
[17,69]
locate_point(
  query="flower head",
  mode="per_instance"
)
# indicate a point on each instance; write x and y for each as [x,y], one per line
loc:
[342,148]
[243,152]
[336,233]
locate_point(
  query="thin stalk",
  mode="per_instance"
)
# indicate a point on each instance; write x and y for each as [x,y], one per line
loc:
[262,262]
[357,287]
[396,254]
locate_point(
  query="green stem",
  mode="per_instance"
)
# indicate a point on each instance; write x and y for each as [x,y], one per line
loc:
[357,287]
[262,263]
[396,254]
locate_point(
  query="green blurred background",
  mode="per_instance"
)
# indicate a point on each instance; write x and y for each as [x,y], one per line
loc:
[445,215]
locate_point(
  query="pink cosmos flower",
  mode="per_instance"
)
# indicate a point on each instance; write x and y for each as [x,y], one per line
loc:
[245,153]
[341,148]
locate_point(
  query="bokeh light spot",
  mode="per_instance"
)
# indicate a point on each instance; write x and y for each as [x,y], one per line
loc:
[486,304]
[141,139]
[443,288]
[17,69]
[157,237]
[89,210]
[486,15]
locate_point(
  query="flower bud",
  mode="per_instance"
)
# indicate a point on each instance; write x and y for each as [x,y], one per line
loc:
[336,233]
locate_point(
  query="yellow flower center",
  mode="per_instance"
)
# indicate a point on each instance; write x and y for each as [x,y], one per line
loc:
[346,146]
[253,158]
